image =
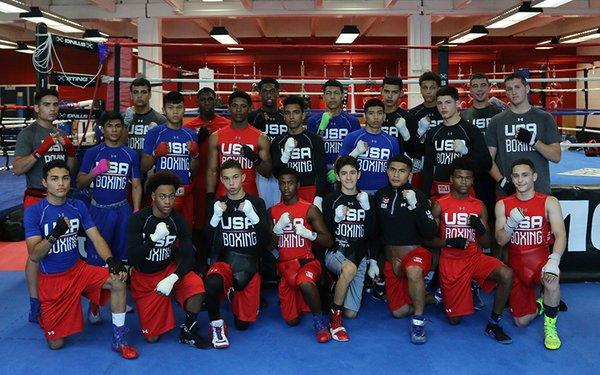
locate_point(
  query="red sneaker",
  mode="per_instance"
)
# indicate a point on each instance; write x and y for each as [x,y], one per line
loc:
[336,327]
[323,335]
[127,351]
[119,344]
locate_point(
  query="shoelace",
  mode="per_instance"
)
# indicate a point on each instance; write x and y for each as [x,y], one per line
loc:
[218,331]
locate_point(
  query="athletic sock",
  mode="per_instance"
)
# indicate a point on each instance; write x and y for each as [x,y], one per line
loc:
[190,319]
[550,312]
[118,319]
[336,307]
[495,318]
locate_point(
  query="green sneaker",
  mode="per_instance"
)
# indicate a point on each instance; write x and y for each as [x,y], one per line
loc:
[540,305]
[551,339]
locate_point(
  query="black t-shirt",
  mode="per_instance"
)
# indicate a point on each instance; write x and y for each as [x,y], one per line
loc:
[270,123]
[308,159]
[148,256]
[235,232]
[354,235]
[411,147]
[396,224]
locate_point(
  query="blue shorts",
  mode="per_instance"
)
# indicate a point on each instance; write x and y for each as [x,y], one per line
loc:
[111,222]
[333,262]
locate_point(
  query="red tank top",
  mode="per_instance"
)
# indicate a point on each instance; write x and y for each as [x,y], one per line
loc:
[229,143]
[454,222]
[291,246]
[534,231]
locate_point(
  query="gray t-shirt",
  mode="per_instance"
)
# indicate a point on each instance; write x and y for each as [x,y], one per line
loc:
[27,141]
[138,126]
[480,117]
[501,134]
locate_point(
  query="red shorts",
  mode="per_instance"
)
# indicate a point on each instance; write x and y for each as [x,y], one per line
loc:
[184,204]
[455,280]
[417,180]
[155,311]
[32,196]
[527,273]
[396,287]
[246,302]
[292,275]
[307,193]
[60,298]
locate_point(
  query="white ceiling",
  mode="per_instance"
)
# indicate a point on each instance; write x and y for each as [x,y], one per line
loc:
[303,18]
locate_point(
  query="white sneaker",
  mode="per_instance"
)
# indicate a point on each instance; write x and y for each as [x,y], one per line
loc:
[218,334]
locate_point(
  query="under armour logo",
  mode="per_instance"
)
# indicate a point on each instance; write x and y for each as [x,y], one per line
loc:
[461,208]
[417,259]
[309,274]
[520,119]
[144,331]
[50,333]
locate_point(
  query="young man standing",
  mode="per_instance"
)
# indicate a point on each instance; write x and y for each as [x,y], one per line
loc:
[334,124]
[372,148]
[301,150]
[526,223]
[522,131]
[238,232]
[170,147]
[159,247]
[110,166]
[463,231]
[51,229]
[400,205]
[297,225]
[140,117]
[240,142]
[398,123]
[38,144]
[349,218]
[446,142]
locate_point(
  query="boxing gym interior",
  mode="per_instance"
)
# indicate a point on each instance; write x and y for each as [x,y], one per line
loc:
[91,51]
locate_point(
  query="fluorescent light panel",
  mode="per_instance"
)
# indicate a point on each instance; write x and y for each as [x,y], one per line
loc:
[23,47]
[52,21]
[95,35]
[582,36]
[551,3]
[11,6]
[466,36]
[221,35]
[7,44]
[542,45]
[513,16]
[235,48]
[348,34]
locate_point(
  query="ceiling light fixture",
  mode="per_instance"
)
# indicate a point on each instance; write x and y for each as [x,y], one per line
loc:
[53,21]
[7,44]
[550,3]
[95,35]
[466,36]
[23,47]
[348,34]
[12,6]
[582,36]
[542,45]
[513,15]
[221,35]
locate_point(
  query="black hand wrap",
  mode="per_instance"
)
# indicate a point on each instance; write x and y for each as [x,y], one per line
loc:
[203,134]
[507,186]
[115,266]
[475,223]
[210,196]
[250,154]
[524,135]
[457,242]
[60,228]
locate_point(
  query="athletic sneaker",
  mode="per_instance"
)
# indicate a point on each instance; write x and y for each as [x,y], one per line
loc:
[119,344]
[539,303]
[496,332]
[478,303]
[93,314]
[418,335]
[336,327]
[378,290]
[551,339]
[34,310]
[438,295]
[321,330]
[190,336]
[218,334]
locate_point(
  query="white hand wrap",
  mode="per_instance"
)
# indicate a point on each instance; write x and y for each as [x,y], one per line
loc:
[402,129]
[424,125]
[165,286]
[551,266]
[318,201]
[363,200]
[411,199]
[302,231]
[289,146]
[248,210]
[340,213]
[460,146]
[217,214]
[373,271]
[361,148]
[161,231]
[512,222]
[283,222]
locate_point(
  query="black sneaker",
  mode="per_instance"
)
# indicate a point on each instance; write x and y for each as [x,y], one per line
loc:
[496,332]
[191,337]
